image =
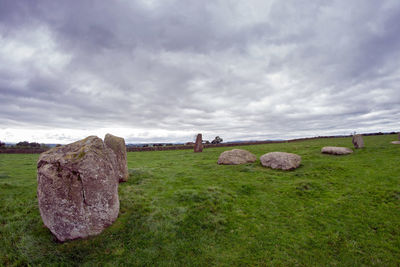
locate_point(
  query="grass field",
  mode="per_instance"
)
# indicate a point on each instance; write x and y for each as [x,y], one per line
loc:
[182,209]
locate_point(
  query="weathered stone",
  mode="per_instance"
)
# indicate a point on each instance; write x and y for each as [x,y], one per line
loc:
[78,188]
[236,156]
[335,150]
[117,144]
[396,142]
[358,141]
[280,160]
[198,147]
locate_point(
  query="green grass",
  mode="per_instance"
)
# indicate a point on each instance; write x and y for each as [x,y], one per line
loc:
[181,208]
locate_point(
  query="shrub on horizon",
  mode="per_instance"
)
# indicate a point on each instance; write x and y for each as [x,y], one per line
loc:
[217,140]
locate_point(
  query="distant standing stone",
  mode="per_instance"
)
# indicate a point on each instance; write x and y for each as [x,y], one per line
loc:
[198,147]
[236,156]
[117,144]
[281,160]
[358,141]
[335,150]
[78,188]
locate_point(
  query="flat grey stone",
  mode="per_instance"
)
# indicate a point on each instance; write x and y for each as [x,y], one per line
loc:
[336,150]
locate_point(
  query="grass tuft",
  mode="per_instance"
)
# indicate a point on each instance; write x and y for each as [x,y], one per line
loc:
[4,175]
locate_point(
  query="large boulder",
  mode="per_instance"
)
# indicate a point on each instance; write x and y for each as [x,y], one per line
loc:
[78,188]
[117,144]
[358,141]
[336,150]
[236,156]
[280,160]
[198,147]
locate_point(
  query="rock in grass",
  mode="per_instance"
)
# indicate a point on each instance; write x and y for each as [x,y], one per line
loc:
[236,156]
[78,188]
[335,150]
[198,147]
[117,144]
[396,142]
[358,141]
[280,160]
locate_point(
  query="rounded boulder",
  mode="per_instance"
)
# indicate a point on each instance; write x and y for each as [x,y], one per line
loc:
[236,157]
[281,160]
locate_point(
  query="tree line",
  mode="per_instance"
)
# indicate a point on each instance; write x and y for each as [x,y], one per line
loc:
[25,144]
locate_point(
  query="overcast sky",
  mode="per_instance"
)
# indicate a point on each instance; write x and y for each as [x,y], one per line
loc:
[162,71]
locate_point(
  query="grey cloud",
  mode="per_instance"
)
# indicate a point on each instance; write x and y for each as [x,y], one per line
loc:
[242,70]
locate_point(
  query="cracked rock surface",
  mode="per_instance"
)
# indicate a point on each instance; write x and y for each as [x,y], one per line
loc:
[78,188]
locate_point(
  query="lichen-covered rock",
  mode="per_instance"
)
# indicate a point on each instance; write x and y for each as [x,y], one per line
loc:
[198,147]
[336,150]
[280,160]
[117,144]
[236,156]
[78,188]
[358,141]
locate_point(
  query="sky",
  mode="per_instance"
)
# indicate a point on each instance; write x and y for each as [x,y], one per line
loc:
[163,71]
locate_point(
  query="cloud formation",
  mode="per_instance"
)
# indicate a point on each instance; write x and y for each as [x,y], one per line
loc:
[162,71]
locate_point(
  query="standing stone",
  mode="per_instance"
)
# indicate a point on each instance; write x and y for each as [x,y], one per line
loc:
[358,141]
[236,156]
[281,160]
[117,144]
[198,147]
[78,188]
